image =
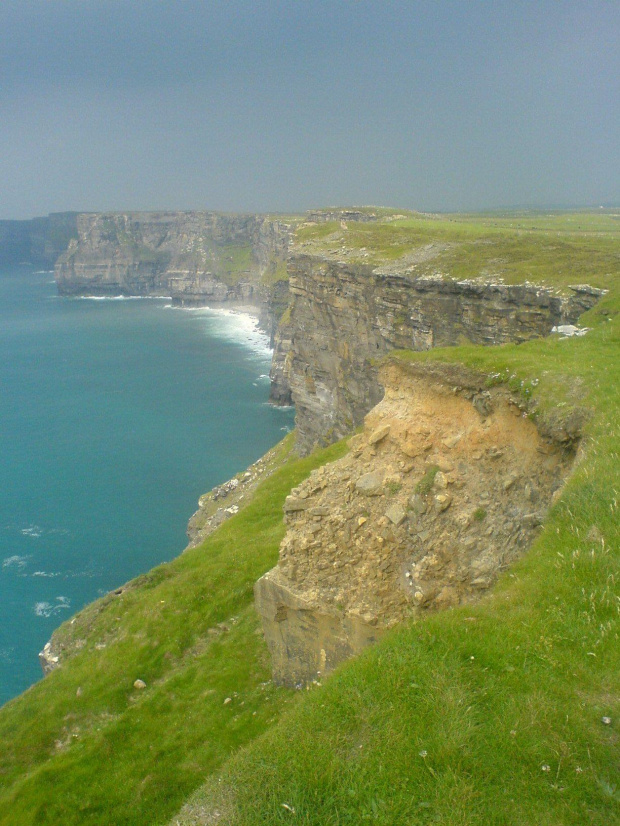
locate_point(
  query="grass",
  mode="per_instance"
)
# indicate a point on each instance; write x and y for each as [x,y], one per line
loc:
[490,714]
[424,486]
[493,714]
[156,744]
[233,262]
[558,250]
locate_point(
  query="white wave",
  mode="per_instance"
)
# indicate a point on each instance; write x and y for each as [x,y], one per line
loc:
[43,609]
[239,327]
[48,609]
[15,561]
[42,272]
[66,574]
[6,654]
[32,530]
[120,297]
[235,325]
[284,407]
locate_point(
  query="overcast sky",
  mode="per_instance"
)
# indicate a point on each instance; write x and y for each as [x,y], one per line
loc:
[256,105]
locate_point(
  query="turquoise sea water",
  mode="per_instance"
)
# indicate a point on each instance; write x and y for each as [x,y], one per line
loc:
[115,415]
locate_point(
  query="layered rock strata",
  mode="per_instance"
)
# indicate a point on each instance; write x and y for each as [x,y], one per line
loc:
[196,258]
[444,488]
[344,316]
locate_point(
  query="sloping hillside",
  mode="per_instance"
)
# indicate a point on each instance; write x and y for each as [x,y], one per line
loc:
[501,710]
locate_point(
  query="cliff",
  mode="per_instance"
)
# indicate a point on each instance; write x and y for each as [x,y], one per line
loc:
[350,305]
[497,709]
[38,241]
[194,257]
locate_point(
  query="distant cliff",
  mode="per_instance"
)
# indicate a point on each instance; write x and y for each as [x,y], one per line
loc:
[37,241]
[194,257]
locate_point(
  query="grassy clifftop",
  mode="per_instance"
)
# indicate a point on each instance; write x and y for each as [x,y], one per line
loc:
[501,712]
[554,249]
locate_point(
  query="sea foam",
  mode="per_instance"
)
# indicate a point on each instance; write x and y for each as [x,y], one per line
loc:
[235,326]
[48,609]
[15,561]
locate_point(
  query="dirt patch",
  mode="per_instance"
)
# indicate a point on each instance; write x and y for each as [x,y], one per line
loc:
[445,487]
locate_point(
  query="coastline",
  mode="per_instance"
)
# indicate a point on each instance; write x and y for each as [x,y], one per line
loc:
[56,559]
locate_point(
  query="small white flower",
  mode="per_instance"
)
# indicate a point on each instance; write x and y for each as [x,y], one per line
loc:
[423,753]
[546,768]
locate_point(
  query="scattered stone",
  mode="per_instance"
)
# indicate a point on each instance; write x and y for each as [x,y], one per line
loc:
[370,484]
[417,504]
[321,510]
[452,441]
[377,435]
[292,504]
[570,330]
[139,684]
[440,481]
[443,501]
[396,514]
[361,521]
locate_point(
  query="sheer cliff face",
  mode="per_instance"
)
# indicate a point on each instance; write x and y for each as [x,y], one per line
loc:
[195,257]
[344,317]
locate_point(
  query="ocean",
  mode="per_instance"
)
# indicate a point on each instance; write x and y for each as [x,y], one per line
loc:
[115,416]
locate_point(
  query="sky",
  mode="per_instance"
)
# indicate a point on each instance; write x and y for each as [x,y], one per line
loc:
[286,105]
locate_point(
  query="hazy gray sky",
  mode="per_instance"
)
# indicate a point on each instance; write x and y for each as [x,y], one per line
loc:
[256,105]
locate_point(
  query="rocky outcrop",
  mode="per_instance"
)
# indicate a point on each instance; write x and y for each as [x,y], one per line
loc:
[225,500]
[324,216]
[345,316]
[48,659]
[444,488]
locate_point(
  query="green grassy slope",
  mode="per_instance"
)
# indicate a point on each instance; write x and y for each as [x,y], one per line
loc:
[84,746]
[486,714]
[494,713]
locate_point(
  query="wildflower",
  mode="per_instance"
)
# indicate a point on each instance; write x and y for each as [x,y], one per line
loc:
[546,768]
[423,753]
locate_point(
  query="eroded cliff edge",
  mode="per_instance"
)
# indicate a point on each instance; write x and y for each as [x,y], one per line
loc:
[444,488]
[345,316]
